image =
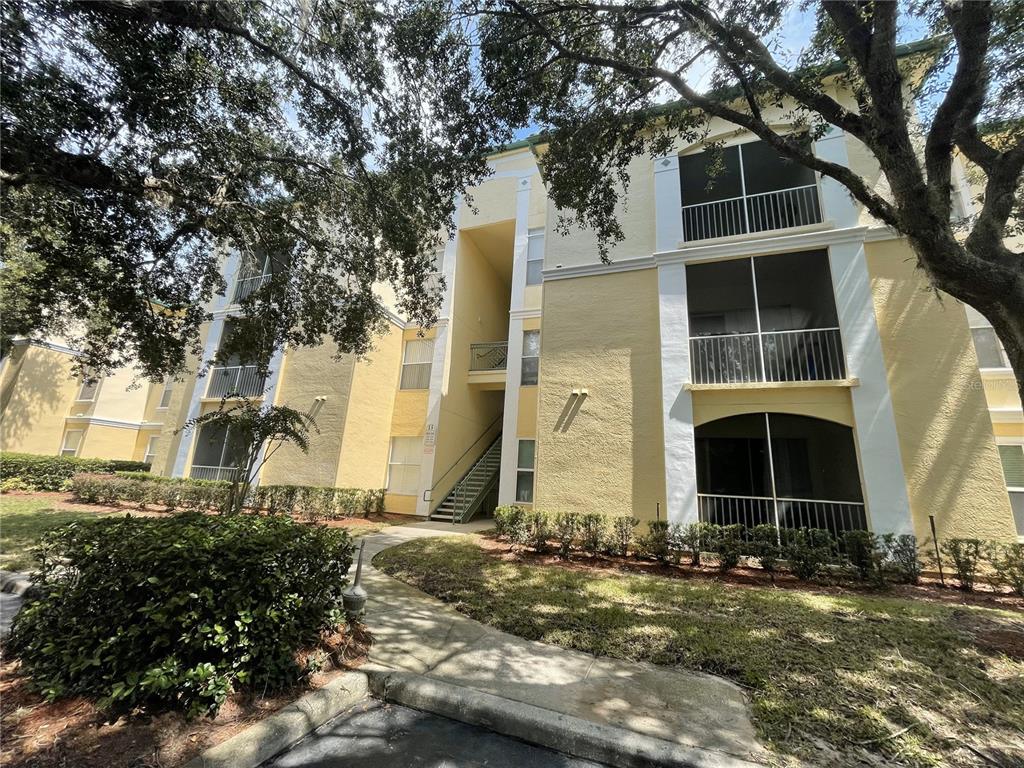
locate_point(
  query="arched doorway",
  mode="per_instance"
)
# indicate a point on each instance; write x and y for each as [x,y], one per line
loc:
[779,468]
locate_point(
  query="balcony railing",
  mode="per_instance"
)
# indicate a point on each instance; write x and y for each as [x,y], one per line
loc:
[200,472]
[488,357]
[814,354]
[245,286]
[779,209]
[750,511]
[244,380]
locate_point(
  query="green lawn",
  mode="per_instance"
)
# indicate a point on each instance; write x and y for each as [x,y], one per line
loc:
[834,679]
[23,519]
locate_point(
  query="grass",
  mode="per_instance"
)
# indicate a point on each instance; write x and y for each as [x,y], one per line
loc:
[23,520]
[834,679]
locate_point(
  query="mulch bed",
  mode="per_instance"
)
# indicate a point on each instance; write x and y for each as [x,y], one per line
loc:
[930,587]
[72,732]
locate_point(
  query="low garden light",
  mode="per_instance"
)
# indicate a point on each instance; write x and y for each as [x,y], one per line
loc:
[354,598]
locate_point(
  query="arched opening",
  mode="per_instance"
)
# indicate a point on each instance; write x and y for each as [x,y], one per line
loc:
[781,469]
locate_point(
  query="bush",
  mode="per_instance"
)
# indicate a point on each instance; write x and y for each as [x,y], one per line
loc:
[538,526]
[866,556]
[317,502]
[510,523]
[656,543]
[690,538]
[766,548]
[902,557]
[53,473]
[728,545]
[808,550]
[592,531]
[567,529]
[623,528]
[174,613]
[172,492]
[1007,561]
[965,554]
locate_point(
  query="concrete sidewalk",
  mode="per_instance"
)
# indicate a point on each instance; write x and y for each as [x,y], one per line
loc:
[417,633]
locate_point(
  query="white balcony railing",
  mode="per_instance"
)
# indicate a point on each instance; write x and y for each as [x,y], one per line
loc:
[813,354]
[749,511]
[779,209]
[201,472]
[245,286]
[488,357]
[244,380]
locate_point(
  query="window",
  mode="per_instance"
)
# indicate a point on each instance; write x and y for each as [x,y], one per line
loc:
[525,470]
[990,351]
[1012,457]
[404,465]
[416,367]
[151,450]
[535,258]
[531,357]
[87,391]
[72,442]
[165,396]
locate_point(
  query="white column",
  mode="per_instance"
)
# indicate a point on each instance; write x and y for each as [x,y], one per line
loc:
[514,366]
[677,403]
[217,307]
[885,485]
[439,366]
[668,204]
[269,399]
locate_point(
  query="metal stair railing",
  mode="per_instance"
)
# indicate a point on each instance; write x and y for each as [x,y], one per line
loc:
[429,493]
[465,499]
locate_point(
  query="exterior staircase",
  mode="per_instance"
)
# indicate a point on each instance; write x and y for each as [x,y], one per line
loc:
[466,498]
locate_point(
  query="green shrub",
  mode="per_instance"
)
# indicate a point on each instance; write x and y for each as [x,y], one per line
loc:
[538,526]
[866,556]
[623,530]
[53,473]
[808,550]
[655,544]
[965,554]
[766,548]
[728,545]
[567,530]
[174,613]
[1007,561]
[171,492]
[592,531]
[688,539]
[511,523]
[902,557]
[9,484]
[317,502]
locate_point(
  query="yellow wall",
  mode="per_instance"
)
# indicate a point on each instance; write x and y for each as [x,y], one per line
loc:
[526,422]
[309,373]
[480,304]
[105,442]
[177,413]
[38,391]
[1001,391]
[948,452]
[601,333]
[830,403]
[1009,429]
[365,445]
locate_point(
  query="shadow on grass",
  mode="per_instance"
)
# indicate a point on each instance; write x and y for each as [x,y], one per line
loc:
[832,678]
[20,531]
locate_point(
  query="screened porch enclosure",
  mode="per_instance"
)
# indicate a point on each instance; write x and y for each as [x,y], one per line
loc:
[742,189]
[780,469]
[769,318]
[215,456]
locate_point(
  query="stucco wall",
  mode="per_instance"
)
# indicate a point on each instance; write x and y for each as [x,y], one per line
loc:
[945,435]
[365,444]
[830,403]
[605,453]
[105,442]
[309,373]
[39,390]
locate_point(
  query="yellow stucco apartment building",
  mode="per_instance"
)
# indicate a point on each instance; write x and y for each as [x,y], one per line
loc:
[761,351]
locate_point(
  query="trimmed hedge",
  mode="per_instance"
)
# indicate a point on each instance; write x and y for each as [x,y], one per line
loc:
[53,473]
[315,502]
[176,612]
[142,488]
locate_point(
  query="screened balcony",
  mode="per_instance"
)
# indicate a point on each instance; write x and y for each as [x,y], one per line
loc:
[216,456]
[779,469]
[766,319]
[255,272]
[742,189]
[233,376]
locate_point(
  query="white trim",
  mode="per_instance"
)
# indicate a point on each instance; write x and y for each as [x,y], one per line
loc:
[677,401]
[668,203]
[599,268]
[523,314]
[514,364]
[1006,416]
[101,422]
[46,345]
[800,241]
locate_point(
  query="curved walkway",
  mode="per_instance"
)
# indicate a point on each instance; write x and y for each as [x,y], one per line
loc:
[418,633]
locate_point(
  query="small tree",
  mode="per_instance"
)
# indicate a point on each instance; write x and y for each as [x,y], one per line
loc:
[257,431]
